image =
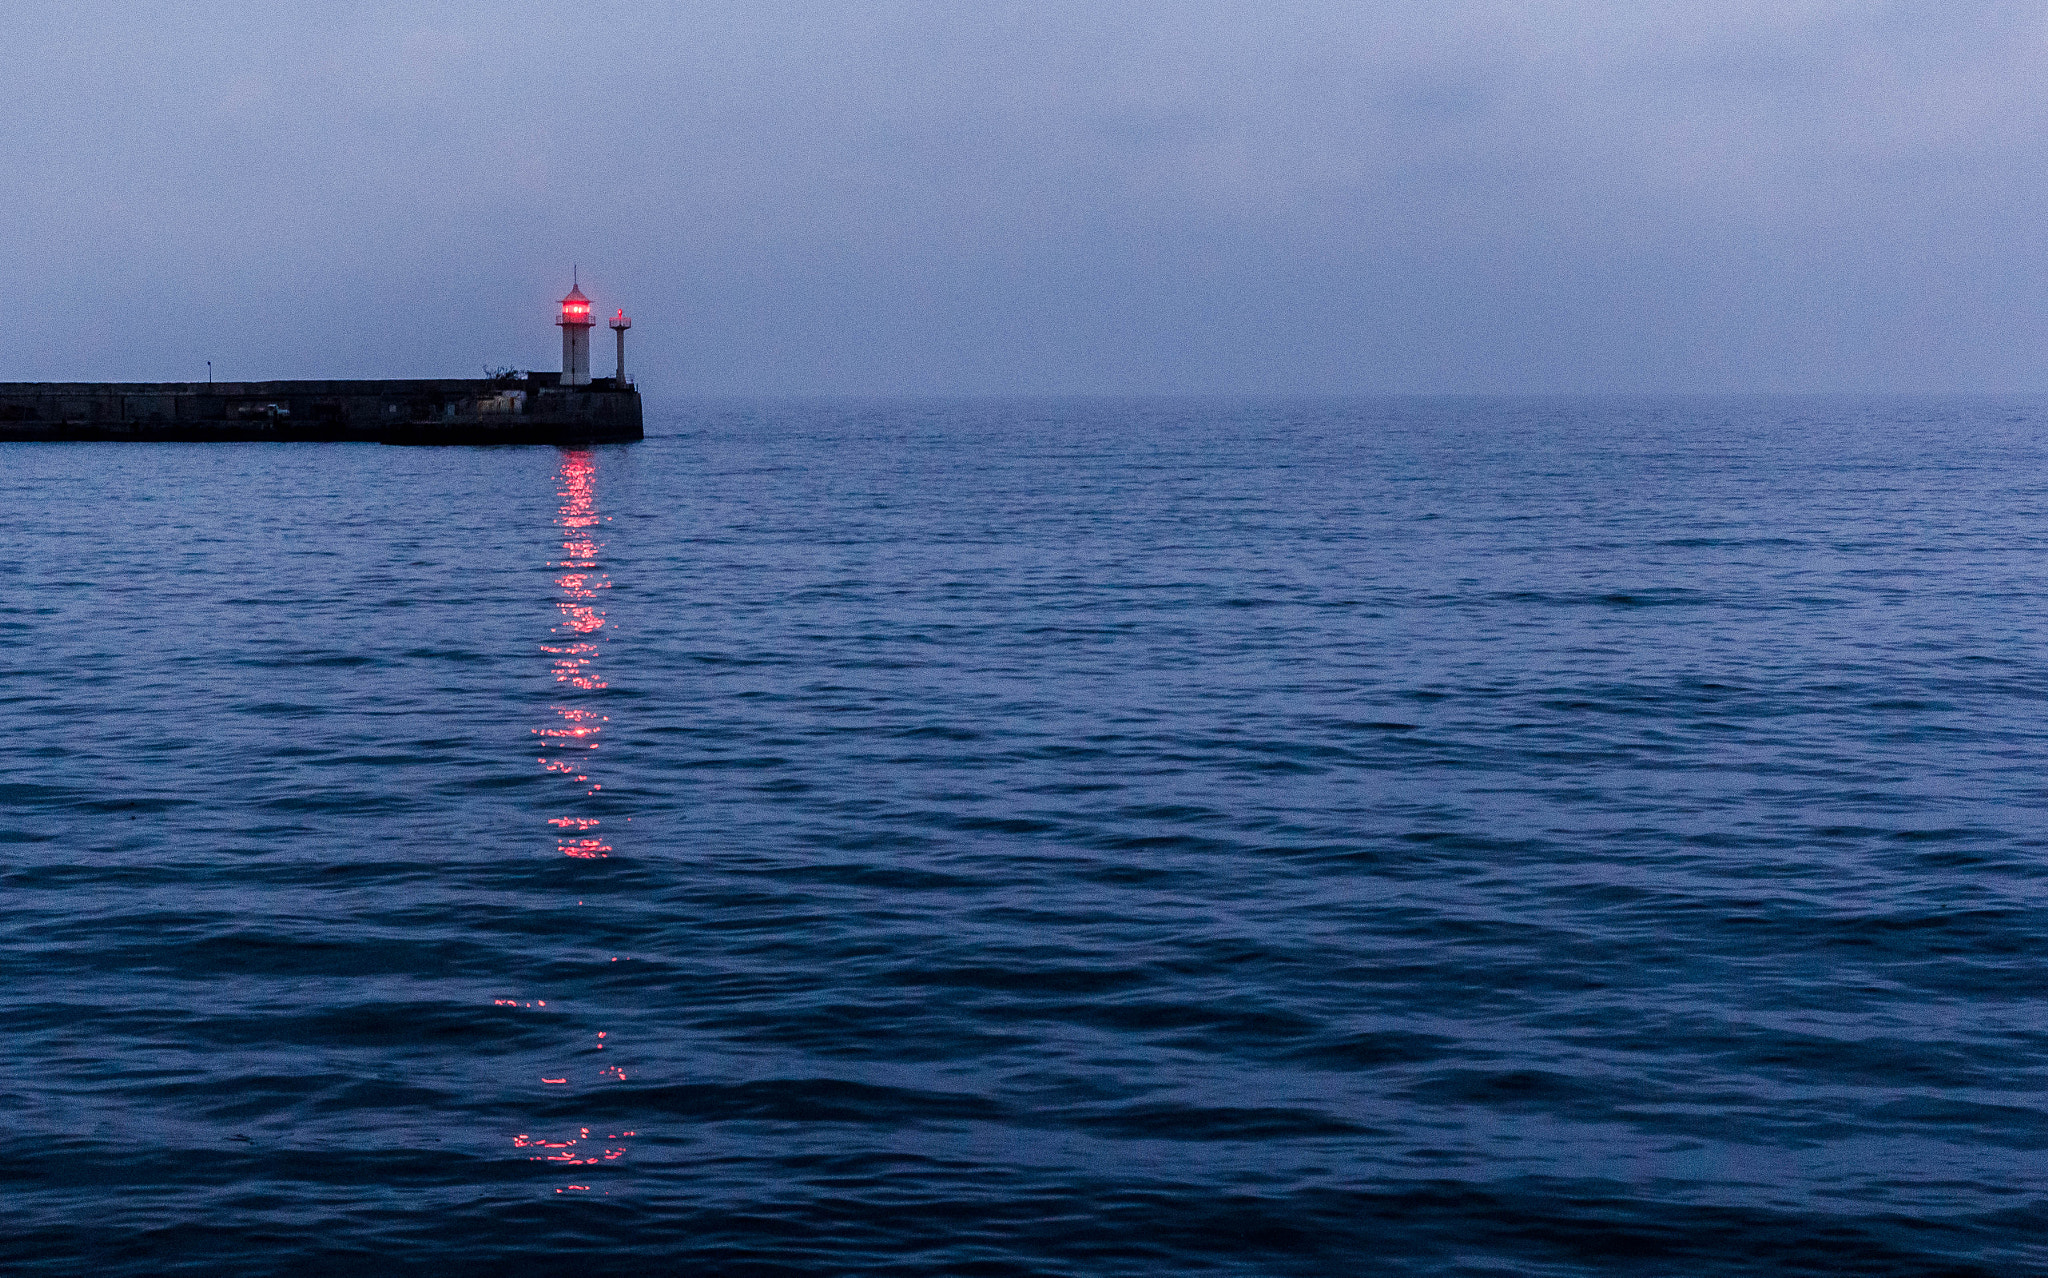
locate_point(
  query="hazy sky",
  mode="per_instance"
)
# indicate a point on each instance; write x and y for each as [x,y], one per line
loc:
[1099,196]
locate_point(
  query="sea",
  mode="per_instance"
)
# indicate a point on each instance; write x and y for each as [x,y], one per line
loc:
[1036,837]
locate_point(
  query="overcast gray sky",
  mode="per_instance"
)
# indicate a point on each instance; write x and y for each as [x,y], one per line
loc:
[992,197]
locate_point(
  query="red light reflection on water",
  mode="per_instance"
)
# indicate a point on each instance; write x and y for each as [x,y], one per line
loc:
[570,742]
[576,731]
[570,1153]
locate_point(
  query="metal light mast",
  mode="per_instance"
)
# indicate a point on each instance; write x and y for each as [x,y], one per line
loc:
[619,325]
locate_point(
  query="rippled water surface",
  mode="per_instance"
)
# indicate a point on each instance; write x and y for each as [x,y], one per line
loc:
[1064,838]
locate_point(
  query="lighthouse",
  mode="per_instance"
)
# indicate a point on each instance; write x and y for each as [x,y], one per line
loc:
[576,325]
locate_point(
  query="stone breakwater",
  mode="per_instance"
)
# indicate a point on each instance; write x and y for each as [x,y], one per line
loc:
[530,409]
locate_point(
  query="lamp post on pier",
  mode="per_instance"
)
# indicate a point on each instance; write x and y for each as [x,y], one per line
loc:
[619,325]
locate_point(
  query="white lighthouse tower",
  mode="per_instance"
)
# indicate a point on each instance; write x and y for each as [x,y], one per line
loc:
[576,325]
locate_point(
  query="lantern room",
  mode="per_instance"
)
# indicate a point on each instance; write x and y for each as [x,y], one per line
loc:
[575,309]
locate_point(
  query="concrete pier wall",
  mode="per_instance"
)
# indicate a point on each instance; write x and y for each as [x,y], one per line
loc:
[534,409]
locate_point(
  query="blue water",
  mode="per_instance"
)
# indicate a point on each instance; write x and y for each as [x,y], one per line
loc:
[1434,837]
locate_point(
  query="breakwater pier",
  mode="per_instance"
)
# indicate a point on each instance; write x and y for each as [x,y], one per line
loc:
[568,407]
[530,408]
